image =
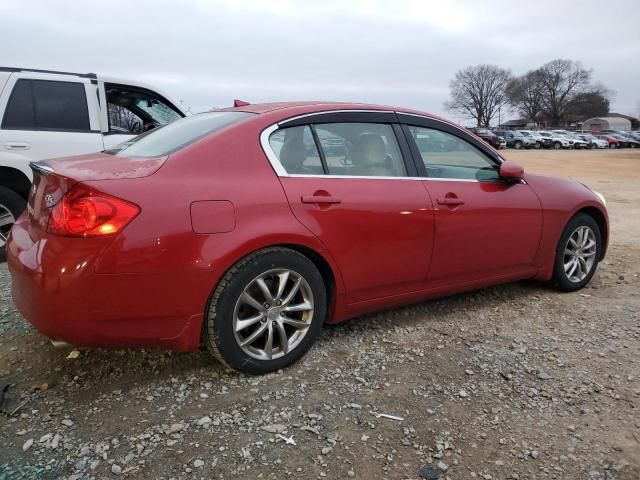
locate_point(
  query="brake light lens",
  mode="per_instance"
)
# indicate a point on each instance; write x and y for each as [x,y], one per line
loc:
[84,212]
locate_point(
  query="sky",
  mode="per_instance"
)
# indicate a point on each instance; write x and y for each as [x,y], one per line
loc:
[402,52]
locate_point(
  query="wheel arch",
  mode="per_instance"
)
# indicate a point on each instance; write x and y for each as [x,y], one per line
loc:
[323,266]
[601,220]
[326,267]
[16,180]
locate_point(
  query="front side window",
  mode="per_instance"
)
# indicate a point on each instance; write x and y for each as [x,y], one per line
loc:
[47,105]
[177,135]
[447,156]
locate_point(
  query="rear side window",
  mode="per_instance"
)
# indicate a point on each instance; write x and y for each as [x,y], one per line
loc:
[47,105]
[296,150]
[346,149]
[171,138]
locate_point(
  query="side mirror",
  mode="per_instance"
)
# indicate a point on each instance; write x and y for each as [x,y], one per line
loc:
[511,171]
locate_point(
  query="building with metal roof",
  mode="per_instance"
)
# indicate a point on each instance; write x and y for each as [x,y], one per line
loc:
[597,124]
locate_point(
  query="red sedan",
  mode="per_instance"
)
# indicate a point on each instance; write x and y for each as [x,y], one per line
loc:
[247,229]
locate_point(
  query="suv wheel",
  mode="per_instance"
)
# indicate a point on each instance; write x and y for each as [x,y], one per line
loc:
[517,145]
[557,145]
[11,206]
[266,311]
[577,253]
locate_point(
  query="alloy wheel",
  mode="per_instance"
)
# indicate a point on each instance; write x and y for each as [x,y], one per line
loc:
[6,222]
[580,254]
[273,314]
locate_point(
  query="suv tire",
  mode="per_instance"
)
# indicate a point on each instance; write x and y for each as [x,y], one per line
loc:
[11,206]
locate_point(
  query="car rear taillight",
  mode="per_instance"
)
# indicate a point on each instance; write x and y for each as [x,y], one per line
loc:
[84,212]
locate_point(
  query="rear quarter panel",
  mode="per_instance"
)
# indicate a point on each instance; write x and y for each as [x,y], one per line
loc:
[228,168]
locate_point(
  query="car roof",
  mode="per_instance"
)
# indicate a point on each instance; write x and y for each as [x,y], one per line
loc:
[291,109]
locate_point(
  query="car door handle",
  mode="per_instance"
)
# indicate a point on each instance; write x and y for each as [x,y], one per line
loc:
[320,199]
[16,146]
[450,201]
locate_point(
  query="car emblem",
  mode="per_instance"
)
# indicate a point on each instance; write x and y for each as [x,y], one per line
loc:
[49,199]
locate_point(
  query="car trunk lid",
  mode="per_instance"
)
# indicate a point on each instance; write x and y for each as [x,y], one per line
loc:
[53,178]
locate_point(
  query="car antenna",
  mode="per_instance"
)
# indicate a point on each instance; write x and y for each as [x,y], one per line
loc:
[240,103]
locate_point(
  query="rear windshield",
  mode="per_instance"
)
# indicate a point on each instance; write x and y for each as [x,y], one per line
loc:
[171,138]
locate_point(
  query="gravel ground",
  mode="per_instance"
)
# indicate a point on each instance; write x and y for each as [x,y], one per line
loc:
[515,381]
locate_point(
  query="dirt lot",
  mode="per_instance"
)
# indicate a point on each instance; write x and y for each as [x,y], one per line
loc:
[515,381]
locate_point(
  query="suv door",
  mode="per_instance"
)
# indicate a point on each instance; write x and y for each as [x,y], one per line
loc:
[485,227]
[53,117]
[347,179]
[132,110]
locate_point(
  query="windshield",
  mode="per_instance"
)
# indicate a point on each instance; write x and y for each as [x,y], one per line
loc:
[170,138]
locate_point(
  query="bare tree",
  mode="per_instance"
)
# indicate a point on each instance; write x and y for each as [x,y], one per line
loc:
[478,91]
[562,82]
[526,94]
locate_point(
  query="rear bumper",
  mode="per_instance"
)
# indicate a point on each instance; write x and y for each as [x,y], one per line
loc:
[57,290]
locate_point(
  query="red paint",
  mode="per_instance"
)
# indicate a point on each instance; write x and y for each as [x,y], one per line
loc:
[386,242]
[213,216]
[512,170]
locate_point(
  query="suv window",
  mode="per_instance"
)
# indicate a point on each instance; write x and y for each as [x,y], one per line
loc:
[134,110]
[47,105]
[447,156]
[173,137]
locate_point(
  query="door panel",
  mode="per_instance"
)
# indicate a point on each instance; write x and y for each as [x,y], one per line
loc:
[37,114]
[483,229]
[379,231]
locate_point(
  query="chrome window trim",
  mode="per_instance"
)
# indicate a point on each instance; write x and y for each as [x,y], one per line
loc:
[281,172]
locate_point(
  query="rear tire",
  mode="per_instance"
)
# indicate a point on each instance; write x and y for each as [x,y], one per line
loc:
[557,145]
[11,206]
[517,145]
[576,256]
[254,323]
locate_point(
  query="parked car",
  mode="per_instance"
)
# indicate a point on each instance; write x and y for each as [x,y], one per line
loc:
[573,141]
[594,142]
[558,141]
[488,136]
[632,140]
[612,141]
[227,229]
[515,139]
[541,142]
[578,143]
[54,114]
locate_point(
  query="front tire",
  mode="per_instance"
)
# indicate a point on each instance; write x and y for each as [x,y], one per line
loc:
[577,254]
[11,206]
[557,145]
[517,145]
[266,312]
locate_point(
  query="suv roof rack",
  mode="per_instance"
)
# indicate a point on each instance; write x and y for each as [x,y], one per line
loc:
[35,70]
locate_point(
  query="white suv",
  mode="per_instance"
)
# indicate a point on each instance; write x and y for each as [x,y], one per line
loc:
[46,114]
